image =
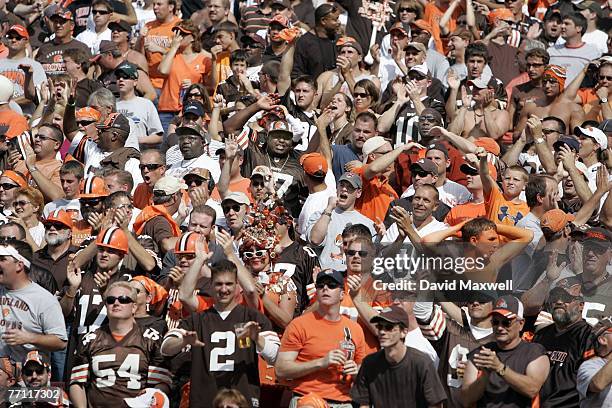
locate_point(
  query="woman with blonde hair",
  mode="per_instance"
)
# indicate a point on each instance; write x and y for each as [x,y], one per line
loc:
[28,207]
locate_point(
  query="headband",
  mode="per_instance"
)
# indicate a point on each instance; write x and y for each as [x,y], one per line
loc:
[11,251]
[557,72]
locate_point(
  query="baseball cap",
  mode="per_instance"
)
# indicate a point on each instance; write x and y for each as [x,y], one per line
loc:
[438,146]
[262,171]
[59,216]
[552,12]
[16,177]
[6,90]
[606,126]
[489,144]
[599,236]
[105,46]
[508,306]
[280,19]
[467,168]
[195,107]
[597,134]
[571,142]
[371,145]
[62,12]
[238,197]
[349,42]
[556,219]
[129,69]
[169,185]
[190,129]
[149,398]
[331,274]
[417,46]
[421,69]
[116,121]
[570,285]
[254,38]
[393,314]
[352,178]
[401,28]
[479,83]
[284,3]
[88,112]
[594,6]
[426,165]
[604,325]
[279,128]
[120,26]
[37,357]
[323,10]
[198,172]
[314,164]
[20,30]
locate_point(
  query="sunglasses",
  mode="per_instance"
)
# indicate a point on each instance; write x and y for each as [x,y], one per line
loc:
[43,138]
[14,37]
[352,252]
[123,299]
[416,77]
[384,326]
[504,322]
[362,95]
[102,12]
[124,76]
[606,77]
[28,372]
[227,208]
[21,203]
[8,186]
[56,225]
[194,180]
[254,254]
[329,284]
[561,296]
[85,123]
[419,173]
[462,22]
[549,131]
[257,184]
[406,10]
[596,249]
[150,166]
[89,202]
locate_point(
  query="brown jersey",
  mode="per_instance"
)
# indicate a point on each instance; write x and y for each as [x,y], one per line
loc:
[111,370]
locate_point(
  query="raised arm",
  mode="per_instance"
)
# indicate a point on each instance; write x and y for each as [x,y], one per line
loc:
[247,283]
[235,123]
[383,162]
[446,17]
[286,66]
[166,63]
[187,294]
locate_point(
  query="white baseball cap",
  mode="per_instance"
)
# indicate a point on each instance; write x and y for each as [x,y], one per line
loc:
[169,185]
[421,69]
[594,133]
[371,145]
[150,398]
[6,90]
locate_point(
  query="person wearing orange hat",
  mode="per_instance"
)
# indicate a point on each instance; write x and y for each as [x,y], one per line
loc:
[10,181]
[502,42]
[150,300]
[87,118]
[315,170]
[92,193]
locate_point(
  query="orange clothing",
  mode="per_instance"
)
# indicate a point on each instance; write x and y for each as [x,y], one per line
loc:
[464,212]
[16,123]
[222,68]
[313,337]
[195,71]
[239,186]
[159,34]
[81,230]
[432,16]
[376,196]
[151,212]
[142,196]
[50,168]
[501,211]
[587,96]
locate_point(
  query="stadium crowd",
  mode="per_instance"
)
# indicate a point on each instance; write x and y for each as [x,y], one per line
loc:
[305,203]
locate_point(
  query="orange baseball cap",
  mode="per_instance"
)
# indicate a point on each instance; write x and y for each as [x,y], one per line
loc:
[20,30]
[489,144]
[16,177]
[555,220]
[60,216]
[312,400]
[88,112]
[314,164]
[500,14]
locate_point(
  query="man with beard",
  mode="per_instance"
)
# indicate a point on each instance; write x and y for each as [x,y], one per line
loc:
[193,146]
[568,343]
[280,156]
[508,371]
[536,61]
[324,228]
[364,129]
[36,374]
[315,52]
[555,102]
[454,339]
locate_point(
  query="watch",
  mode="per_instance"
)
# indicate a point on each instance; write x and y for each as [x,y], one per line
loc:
[502,371]
[603,100]
[327,213]
[539,140]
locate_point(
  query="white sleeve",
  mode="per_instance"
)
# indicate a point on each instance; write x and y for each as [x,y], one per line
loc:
[271,346]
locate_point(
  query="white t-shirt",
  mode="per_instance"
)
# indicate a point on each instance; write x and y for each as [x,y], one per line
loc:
[93,39]
[144,115]
[451,193]
[204,161]
[38,233]
[393,231]
[597,38]
[315,202]
[416,340]
[63,204]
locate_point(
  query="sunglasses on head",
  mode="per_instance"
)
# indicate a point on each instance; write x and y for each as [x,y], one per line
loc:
[8,186]
[85,123]
[123,299]
[28,372]
[352,252]
[504,322]
[150,166]
[384,326]
[330,284]
[227,208]
[254,254]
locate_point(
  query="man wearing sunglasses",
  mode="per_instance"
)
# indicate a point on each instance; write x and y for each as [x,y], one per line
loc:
[120,346]
[152,168]
[509,370]
[595,374]
[595,276]
[568,343]
[36,371]
[396,373]
[322,349]
[101,10]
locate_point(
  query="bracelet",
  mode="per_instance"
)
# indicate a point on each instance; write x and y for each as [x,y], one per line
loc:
[329,214]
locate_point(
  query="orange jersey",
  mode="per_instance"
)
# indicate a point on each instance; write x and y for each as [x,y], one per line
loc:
[376,196]
[238,186]
[81,230]
[312,337]
[432,15]
[464,212]
[159,34]
[501,211]
[194,71]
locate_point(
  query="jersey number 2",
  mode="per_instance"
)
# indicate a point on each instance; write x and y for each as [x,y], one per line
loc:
[228,350]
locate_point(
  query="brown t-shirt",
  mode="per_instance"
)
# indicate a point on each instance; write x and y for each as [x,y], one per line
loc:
[413,382]
[159,229]
[51,55]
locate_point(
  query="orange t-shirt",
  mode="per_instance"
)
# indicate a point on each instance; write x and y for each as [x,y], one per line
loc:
[432,15]
[196,71]
[312,337]
[238,186]
[501,211]
[160,34]
[142,196]
[50,168]
[376,196]
[17,124]
[81,230]
[464,212]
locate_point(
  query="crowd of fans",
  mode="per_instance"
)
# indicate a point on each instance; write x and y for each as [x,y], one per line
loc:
[295,203]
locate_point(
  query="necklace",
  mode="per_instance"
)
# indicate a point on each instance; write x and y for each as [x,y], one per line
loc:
[276,161]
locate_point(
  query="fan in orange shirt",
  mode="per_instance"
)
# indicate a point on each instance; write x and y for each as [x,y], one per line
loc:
[16,123]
